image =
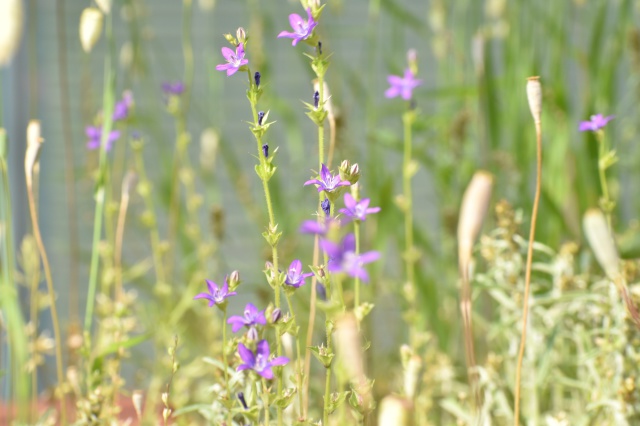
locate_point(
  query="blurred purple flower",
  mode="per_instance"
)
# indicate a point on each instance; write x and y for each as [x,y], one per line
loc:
[215,296]
[295,277]
[302,29]
[357,210]
[235,60]
[259,362]
[402,86]
[343,257]
[313,227]
[251,318]
[173,88]
[94,134]
[597,122]
[327,181]
[122,107]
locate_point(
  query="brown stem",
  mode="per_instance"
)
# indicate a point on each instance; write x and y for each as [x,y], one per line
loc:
[527,280]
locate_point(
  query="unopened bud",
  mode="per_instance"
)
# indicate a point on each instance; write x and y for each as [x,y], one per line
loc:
[316,99]
[319,48]
[231,39]
[601,241]
[326,207]
[34,143]
[233,280]
[241,35]
[276,315]
[242,400]
[252,334]
[534,95]
[90,27]
[256,78]
[265,150]
[260,117]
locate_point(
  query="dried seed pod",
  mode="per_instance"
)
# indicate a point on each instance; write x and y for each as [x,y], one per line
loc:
[90,27]
[10,29]
[534,96]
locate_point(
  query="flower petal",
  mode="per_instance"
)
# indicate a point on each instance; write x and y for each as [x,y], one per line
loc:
[349,243]
[295,21]
[267,373]
[246,355]
[349,201]
[281,360]
[227,53]
[262,348]
[296,266]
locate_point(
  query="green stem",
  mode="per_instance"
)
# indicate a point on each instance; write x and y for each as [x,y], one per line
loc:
[409,255]
[265,401]
[299,360]
[224,362]
[107,108]
[327,387]
[606,203]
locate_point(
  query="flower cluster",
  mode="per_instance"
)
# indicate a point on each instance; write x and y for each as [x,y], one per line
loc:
[121,111]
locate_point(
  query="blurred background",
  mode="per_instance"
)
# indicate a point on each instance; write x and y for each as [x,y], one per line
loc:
[474,58]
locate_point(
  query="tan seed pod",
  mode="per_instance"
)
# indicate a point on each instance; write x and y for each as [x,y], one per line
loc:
[10,29]
[90,27]
[534,96]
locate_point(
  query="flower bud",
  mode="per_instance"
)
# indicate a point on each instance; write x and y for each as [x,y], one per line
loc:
[534,95]
[326,207]
[260,117]
[256,78]
[90,27]
[242,400]
[231,39]
[319,48]
[10,29]
[252,334]
[276,315]
[349,172]
[31,157]
[241,35]
[265,150]
[104,5]
[233,280]
[316,99]
[601,241]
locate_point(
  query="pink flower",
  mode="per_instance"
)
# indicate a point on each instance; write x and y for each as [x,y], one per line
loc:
[235,60]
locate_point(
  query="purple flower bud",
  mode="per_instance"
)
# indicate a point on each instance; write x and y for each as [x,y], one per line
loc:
[242,400]
[252,334]
[260,117]
[321,292]
[256,77]
[319,48]
[316,99]
[265,150]
[326,206]
[276,315]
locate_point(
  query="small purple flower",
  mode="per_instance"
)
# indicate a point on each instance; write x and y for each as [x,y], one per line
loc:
[173,88]
[235,60]
[251,318]
[318,227]
[259,362]
[122,107]
[215,296]
[302,29]
[357,210]
[95,135]
[327,181]
[343,257]
[402,86]
[295,277]
[597,122]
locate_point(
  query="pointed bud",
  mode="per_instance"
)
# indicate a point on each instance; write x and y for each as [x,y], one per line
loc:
[534,96]
[231,39]
[276,315]
[233,280]
[260,117]
[319,48]
[241,35]
[242,400]
[90,27]
[326,207]
[265,150]
[316,99]
[256,78]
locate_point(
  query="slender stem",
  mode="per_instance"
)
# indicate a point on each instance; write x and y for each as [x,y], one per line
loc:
[265,402]
[122,215]
[602,152]
[50,290]
[224,362]
[527,280]
[409,255]
[311,324]
[327,387]
[298,356]
[107,108]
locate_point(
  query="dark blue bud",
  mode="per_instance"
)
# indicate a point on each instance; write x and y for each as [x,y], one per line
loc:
[316,99]
[265,150]
[321,292]
[319,48]
[242,400]
[260,117]
[256,77]
[326,207]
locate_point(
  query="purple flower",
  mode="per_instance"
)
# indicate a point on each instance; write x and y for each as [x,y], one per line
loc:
[343,257]
[259,362]
[357,210]
[316,227]
[251,318]
[302,29]
[295,277]
[122,107]
[173,88]
[95,135]
[215,296]
[234,60]
[402,86]
[597,122]
[327,181]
